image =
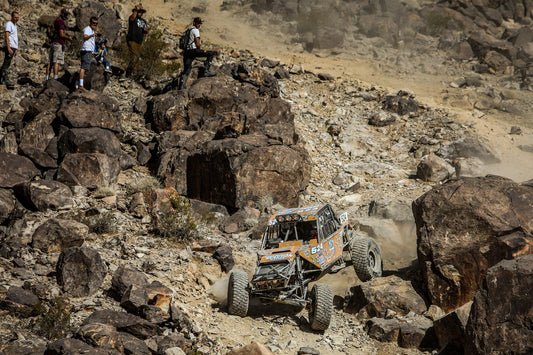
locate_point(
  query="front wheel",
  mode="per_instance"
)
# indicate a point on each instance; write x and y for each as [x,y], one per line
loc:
[238,297]
[366,258]
[321,307]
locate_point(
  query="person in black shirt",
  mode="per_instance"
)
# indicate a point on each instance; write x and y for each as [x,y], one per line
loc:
[137,28]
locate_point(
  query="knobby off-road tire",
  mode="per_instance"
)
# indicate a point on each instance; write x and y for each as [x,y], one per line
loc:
[366,258]
[321,307]
[238,297]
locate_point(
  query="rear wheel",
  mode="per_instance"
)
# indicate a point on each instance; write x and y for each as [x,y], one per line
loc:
[366,258]
[321,307]
[238,297]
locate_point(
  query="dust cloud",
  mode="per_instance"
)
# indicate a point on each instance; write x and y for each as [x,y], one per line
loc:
[219,290]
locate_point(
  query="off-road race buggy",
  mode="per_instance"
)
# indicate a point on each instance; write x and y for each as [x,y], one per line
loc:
[299,246]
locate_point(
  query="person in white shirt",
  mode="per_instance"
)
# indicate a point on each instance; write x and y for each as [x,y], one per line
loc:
[87,49]
[11,44]
[194,51]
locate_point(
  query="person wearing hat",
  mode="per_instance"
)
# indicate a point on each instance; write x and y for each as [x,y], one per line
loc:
[193,51]
[57,50]
[137,28]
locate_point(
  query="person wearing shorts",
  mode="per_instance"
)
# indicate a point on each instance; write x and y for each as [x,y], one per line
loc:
[87,49]
[57,50]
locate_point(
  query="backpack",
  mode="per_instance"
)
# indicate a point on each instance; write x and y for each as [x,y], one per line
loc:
[185,40]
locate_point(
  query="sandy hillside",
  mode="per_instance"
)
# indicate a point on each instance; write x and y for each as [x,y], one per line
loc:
[230,30]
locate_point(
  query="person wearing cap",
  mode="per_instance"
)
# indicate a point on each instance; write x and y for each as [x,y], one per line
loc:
[57,50]
[137,28]
[87,48]
[193,51]
[10,46]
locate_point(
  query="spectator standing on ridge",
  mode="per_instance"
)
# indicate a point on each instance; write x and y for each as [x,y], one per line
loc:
[57,50]
[193,51]
[10,47]
[137,28]
[87,48]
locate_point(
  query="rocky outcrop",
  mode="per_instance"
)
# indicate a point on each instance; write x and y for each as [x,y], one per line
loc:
[466,226]
[501,319]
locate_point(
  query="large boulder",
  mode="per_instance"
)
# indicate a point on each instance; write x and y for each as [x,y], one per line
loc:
[464,227]
[80,271]
[245,169]
[56,235]
[89,140]
[42,195]
[124,277]
[378,296]
[16,169]
[91,170]
[501,318]
[90,109]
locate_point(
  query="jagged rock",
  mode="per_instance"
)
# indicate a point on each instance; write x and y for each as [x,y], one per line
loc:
[15,169]
[42,195]
[89,140]
[124,322]
[167,112]
[242,220]
[124,277]
[25,346]
[68,346]
[41,159]
[306,350]
[408,332]
[464,227]
[224,255]
[49,99]
[252,348]
[39,131]
[402,103]
[152,301]
[105,335]
[375,297]
[384,330]
[90,109]
[80,271]
[134,298]
[168,344]
[382,119]
[263,81]
[451,327]
[91,170]
[56,235]
[433,168]
[20,302]
[500,317]
[7,204]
